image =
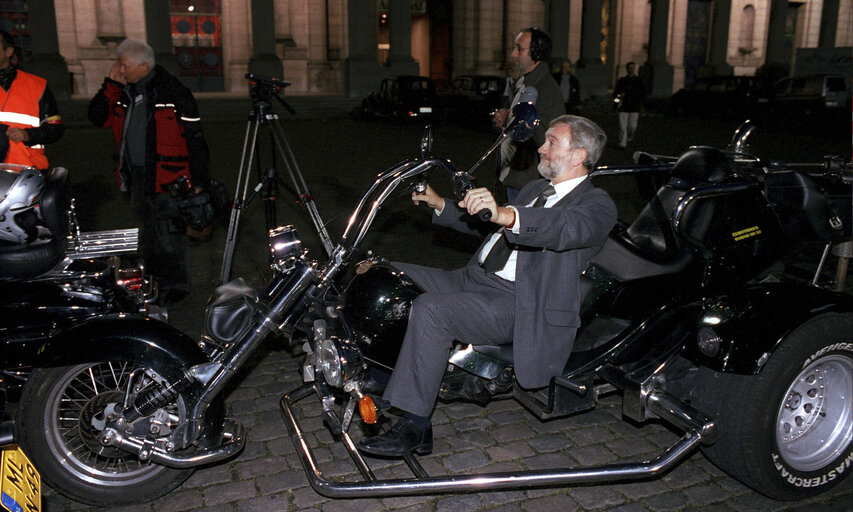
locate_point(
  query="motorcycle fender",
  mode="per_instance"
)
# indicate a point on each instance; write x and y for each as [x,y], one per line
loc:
[121,336]
[752,323]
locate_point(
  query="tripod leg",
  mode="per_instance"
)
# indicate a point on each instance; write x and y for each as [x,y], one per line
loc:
[237,207]
[300,186]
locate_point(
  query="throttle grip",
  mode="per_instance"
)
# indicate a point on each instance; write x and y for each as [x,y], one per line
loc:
[484,214]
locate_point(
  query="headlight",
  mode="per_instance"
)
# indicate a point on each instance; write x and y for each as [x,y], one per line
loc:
[339,361]
[709,341]
[284,246]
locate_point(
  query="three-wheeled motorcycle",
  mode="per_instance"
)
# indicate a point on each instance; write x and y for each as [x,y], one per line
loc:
[686,313]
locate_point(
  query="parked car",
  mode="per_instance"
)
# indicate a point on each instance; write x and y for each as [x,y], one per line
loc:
[471,99]
[716,96]
[401,98]
[813,94]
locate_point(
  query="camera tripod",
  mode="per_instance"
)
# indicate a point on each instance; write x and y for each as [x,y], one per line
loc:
[262,90]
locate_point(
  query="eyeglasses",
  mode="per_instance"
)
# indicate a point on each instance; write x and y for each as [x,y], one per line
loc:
[518,49]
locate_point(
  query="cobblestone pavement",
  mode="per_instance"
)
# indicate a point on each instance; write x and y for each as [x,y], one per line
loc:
[267,475]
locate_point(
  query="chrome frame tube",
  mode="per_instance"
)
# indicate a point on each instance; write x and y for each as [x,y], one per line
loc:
[424,484]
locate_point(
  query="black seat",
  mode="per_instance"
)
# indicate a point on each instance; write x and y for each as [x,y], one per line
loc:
[651,235]
[32,259]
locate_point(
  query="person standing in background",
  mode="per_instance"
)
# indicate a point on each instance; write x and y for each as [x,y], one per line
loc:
[530,54]
[157,126]
[29,116]
[569,86]
[629,95]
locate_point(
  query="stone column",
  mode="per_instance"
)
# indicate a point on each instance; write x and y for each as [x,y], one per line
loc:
[828,24]
[591,34]
[657,72]
[775,55]
[158,31]
[362,67]
[264,61]
[400,55]
[46,61]
[559,28]
[591,73]
[718,55]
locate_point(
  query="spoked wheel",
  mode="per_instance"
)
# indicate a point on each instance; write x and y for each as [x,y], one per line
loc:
[64,413]
[787,432]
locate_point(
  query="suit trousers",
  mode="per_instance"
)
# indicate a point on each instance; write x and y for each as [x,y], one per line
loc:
[468,305]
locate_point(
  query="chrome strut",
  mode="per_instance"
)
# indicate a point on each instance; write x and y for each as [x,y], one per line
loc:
[425,484]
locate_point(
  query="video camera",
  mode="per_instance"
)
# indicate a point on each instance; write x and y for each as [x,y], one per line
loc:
[264,88]
[186,209]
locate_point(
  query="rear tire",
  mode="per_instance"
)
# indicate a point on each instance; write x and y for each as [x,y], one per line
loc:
[59,422]
[786,432]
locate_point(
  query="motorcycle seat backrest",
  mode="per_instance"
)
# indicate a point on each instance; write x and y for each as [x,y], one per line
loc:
[651,233]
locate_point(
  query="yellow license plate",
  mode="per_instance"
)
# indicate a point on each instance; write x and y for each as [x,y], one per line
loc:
[20,489]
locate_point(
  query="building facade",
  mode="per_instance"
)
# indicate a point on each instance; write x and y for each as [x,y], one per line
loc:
[344,47]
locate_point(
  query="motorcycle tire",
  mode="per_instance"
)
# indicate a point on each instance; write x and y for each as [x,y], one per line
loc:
[787,432]
[59,427]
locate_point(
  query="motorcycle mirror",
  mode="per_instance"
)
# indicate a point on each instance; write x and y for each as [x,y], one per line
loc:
[525,119]
[426,141]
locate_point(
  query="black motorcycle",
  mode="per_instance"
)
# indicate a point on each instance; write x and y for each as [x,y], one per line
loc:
[686,313]
[52,274]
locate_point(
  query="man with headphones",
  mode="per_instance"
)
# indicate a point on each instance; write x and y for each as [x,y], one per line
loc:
[530,54]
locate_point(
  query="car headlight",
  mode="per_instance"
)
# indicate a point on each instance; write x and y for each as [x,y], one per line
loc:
[284,245]
[339,361]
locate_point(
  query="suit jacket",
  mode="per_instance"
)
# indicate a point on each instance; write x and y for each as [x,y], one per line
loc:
[556,244]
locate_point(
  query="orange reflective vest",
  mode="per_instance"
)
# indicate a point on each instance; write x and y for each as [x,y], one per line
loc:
[20,109]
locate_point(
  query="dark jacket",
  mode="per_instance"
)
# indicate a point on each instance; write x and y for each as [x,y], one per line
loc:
[558,244]
[632,92]
[549,104]
[175,143]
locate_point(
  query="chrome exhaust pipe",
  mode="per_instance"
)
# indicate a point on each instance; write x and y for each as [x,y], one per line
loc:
[425,484]
[234,432]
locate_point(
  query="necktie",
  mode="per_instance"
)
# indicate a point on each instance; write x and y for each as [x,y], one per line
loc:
[496,259]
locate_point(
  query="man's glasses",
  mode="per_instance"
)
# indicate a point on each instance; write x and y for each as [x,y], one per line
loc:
[518,49]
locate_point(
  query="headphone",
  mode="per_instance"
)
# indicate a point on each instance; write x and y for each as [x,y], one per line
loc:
[540,44]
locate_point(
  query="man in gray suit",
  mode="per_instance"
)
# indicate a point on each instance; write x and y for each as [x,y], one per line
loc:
[521,286]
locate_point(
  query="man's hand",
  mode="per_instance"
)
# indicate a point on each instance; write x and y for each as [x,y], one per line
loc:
[499,118]
[478,199]
[429,197]
[116,74]
[17,135]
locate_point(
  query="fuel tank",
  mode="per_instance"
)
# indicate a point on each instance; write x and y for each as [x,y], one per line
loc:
[376,304]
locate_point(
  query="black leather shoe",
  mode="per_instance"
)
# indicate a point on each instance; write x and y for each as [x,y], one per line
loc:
[402,439]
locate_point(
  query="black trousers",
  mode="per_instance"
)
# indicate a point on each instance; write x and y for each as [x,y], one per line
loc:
[164,249]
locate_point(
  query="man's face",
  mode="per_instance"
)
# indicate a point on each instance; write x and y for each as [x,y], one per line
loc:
[630,68]
[521,53]
[132,71]
[6,56]
[556,153]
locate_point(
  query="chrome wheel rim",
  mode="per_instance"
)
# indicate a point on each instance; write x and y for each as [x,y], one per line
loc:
[73,424]
[813,425]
